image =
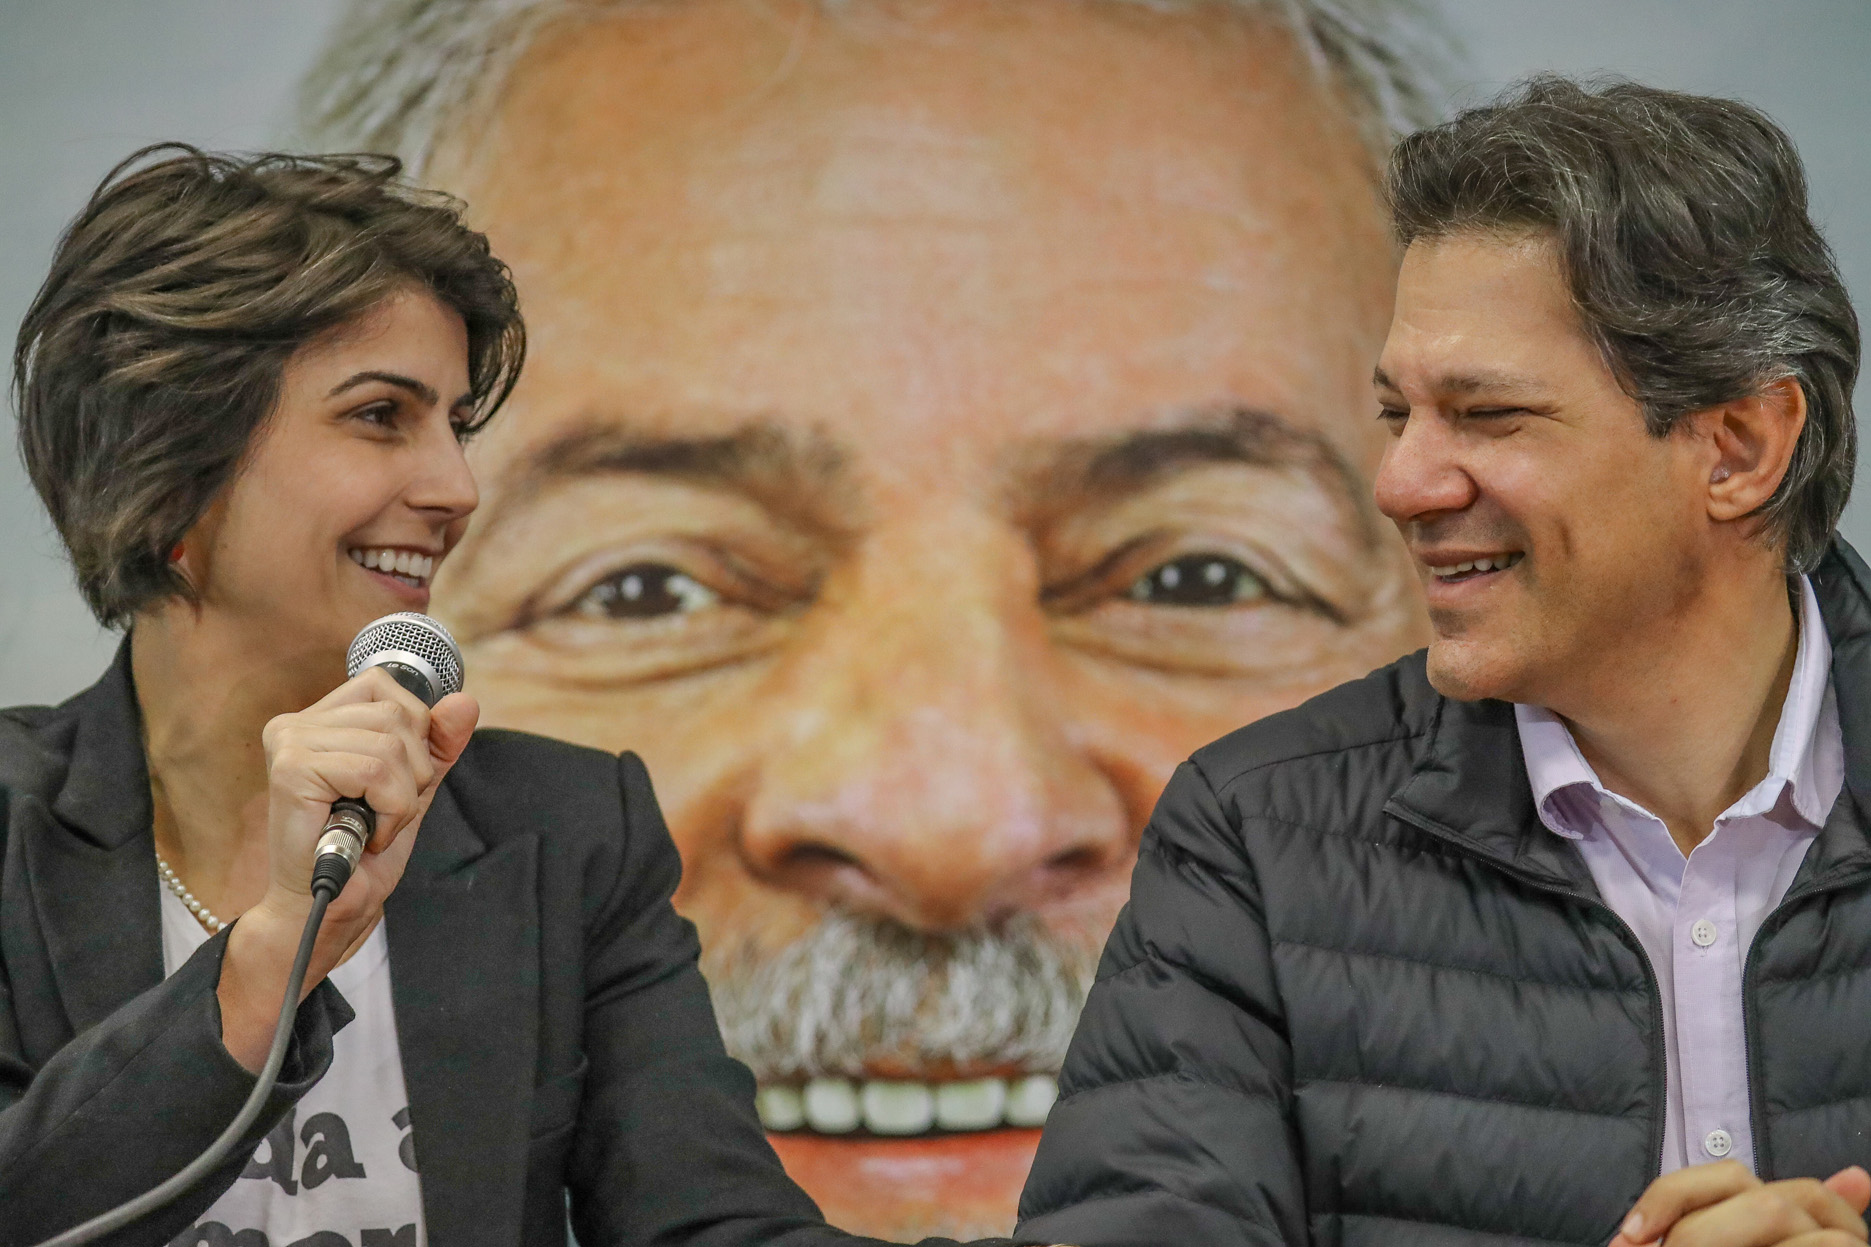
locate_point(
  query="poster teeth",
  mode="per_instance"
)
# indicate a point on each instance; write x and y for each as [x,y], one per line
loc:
[903,1107]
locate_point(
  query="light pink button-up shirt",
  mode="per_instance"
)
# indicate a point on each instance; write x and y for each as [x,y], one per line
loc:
[1696,916]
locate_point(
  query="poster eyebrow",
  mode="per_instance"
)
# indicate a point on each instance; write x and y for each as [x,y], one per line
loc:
[782,470]
[1195,438]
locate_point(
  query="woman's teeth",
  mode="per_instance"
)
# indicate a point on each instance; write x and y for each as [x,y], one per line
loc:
[1497,563]
[890,1107]
[406,565]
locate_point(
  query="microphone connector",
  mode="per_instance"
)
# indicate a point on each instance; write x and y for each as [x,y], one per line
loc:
[346,832]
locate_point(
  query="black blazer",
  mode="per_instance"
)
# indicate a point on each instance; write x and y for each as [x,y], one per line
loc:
[556,1034]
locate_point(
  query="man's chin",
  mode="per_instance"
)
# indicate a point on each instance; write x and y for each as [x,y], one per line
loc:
[1469,669]
[958,1185]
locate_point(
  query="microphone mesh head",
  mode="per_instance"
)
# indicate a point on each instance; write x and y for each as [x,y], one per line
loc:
[418,634]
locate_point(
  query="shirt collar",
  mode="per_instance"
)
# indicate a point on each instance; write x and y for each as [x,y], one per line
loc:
[1804,758]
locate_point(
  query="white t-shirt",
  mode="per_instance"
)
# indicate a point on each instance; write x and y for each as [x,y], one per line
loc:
[339,1170]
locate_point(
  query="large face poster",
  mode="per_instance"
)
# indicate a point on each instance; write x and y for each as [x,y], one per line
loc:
[940,420]
[941,417]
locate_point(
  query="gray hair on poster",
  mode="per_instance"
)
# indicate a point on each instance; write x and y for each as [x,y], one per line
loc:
[401,76]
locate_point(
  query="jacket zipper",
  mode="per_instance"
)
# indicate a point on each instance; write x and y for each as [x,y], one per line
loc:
[1661,1083]
[1757,1116]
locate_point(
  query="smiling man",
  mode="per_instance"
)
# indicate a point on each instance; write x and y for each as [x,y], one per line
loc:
[1472,950]
[940,418]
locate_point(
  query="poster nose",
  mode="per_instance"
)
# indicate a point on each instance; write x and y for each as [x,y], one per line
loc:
[938,786]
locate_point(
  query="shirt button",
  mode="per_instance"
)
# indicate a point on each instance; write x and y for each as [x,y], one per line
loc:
[1703,933]
[1718,1143]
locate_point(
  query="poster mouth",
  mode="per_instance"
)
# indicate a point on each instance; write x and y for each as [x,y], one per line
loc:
[878,1108]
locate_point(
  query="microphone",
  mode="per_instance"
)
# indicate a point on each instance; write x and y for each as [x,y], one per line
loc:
[419,654]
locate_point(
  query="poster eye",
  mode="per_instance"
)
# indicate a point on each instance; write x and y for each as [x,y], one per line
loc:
[645,591]
[1198,580]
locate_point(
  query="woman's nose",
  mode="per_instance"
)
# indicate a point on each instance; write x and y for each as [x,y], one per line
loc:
[445,485]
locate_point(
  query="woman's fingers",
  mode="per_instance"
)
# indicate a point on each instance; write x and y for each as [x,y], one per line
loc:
[435,738]
[373,684]
[376,876]
[302,740]
[388,717]
[371,702]
[369,739]
[377,772]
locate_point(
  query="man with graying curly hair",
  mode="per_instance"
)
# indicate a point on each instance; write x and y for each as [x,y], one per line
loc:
[941,417]
[1557,932]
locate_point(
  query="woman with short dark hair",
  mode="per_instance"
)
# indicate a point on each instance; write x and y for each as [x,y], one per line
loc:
[243,392]
[155,349]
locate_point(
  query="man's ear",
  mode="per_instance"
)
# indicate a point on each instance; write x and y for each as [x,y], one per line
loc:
[1751,442]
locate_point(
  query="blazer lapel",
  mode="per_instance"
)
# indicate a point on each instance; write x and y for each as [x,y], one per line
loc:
[464,973]
[89,861]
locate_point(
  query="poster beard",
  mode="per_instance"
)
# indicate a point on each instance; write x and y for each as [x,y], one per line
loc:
[861,1007]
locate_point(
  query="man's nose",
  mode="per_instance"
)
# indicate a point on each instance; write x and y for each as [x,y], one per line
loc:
[1421,474]
[922,769]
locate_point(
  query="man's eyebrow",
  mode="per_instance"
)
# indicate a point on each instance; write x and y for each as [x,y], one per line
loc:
[786,472]
[1200,437]
[1464,382]
[421,390]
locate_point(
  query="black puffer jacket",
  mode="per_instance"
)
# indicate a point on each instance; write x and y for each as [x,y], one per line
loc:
[1362,996]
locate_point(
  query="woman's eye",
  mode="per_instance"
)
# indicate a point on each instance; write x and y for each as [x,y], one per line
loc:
[1198,580]
[645,591]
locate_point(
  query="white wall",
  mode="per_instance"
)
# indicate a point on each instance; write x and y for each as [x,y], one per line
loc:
[83,82]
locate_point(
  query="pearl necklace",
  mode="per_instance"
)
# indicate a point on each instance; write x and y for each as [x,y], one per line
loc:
[173,882]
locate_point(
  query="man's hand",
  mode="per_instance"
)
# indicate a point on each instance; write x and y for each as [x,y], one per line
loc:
[1724,1205]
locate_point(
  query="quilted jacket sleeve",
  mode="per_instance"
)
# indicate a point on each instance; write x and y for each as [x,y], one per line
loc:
[1174,1120]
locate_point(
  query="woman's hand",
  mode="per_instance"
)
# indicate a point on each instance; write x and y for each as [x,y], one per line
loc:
[368,738]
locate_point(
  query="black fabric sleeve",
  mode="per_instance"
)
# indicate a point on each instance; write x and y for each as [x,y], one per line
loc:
[668,1148]
[132,1100]
[1174,1120]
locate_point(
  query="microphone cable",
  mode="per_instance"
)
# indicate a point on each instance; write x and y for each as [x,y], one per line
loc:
[328,879]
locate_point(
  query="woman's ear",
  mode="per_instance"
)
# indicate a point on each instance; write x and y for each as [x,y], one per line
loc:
[1751,442]
[179,563]
[192,557]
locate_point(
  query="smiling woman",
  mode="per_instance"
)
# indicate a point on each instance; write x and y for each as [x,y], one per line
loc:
[245,391]
[174,367]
